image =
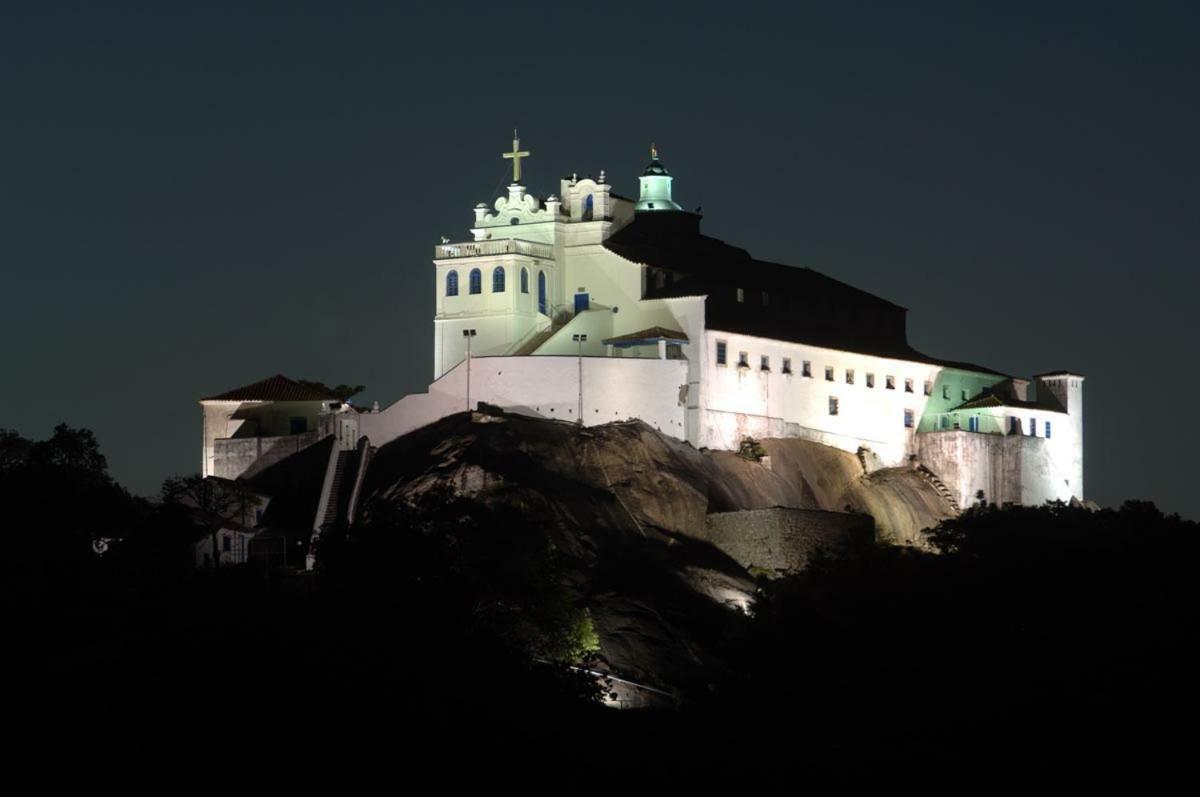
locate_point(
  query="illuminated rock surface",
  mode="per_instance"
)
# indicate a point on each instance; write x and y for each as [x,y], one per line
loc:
[626,508]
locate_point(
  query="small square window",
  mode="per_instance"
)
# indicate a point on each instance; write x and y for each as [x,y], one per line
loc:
[829,373]
[908,419]
[720,352]
[833,405]
[870,380]
[889,382]
[787,365]
[806,368]
[946,391]
[764,363]
[1047,430]
[743,359]
[849,376]
[908,386]
[928,388]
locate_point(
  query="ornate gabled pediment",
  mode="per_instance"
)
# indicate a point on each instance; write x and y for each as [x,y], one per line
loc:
[518,205]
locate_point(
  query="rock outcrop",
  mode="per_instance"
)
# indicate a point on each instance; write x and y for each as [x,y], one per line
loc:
[627,507]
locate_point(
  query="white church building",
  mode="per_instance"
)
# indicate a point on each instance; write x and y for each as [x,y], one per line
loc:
[590,307]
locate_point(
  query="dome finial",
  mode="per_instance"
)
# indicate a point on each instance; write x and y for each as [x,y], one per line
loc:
[653,151]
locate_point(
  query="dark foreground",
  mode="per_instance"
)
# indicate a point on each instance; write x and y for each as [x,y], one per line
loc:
[1050,641]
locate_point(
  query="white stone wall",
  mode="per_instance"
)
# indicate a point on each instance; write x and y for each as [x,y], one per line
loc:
[736,402]
[499,319]
[614,389]
[1007,468]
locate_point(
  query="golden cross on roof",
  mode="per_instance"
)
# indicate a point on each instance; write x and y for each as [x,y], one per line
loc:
[653,151]
[516,156]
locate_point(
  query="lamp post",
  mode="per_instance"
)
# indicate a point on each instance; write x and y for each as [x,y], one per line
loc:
[580,340]
[468,334]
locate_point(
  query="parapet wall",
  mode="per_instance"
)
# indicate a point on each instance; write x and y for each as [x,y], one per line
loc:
[613,389]
[784,540]
[246,456]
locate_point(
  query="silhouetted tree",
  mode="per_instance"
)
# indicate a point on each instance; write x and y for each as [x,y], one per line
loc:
[213,503]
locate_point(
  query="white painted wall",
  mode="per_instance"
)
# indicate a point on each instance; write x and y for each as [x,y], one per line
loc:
[614,389]
[738,402]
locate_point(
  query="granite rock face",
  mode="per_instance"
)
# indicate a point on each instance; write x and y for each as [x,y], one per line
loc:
[627,509]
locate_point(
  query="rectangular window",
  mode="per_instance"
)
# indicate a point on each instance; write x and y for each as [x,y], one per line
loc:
[928,388]
[1014,425]
[806,367]
[945,391]
[743,359]
[764,363]
[787,365]
[833,405]
[849,376]
[225,544]
[908,419]
[829,373]
[741,295]
[944,422]
[973,423]
[720,352]
[889,382]
[908,386]
[1032,427]
[1047,430]
[870,380]
[964,394]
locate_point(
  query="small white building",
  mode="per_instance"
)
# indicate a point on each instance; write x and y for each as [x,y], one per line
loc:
[589,307]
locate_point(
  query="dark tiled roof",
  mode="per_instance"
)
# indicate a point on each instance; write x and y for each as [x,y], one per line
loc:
[653,333]
[804,306]
[274,388]
[1046,404]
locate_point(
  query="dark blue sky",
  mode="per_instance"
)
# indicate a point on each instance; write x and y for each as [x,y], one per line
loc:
[196,198]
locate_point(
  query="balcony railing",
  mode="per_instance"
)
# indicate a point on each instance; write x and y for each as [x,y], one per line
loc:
[503,246]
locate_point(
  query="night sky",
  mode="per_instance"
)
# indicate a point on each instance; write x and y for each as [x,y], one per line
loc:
[197,198]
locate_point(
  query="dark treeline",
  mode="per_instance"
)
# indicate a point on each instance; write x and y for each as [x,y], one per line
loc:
[1047,639]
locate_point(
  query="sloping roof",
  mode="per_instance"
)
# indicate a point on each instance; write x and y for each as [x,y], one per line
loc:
[653,333]
[672,240]
[1047,404]
[274,388]
[803,303]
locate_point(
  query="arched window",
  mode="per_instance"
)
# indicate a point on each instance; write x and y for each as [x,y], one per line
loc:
[524,280]
[542,292]
[452,283]
[498,279]
[587,208]
[476,281]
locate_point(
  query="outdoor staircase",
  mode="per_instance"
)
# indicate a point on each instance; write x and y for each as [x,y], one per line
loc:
[940,488]
[344,475]
[531,345]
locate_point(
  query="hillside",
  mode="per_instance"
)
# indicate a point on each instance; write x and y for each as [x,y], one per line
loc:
[626,510]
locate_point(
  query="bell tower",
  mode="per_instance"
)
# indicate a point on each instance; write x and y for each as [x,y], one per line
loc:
[656,186]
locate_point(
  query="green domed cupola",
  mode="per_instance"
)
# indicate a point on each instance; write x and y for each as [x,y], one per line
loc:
[656,186]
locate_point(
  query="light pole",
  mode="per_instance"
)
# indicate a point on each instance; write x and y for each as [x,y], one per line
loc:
[468,334]
[580,339]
